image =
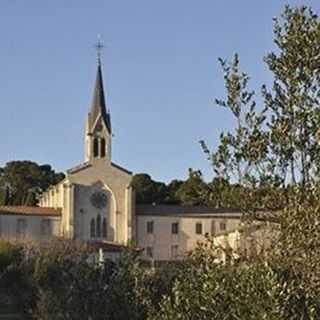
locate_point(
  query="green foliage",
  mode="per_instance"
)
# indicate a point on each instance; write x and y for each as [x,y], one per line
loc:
[15,284]
[294,103]
[221,292]
[9,254]
[187,192]
[148,190]
[279,286]
[242,151]
[127,297]
[273,153]
[193,191]
[21,182]
[278,141]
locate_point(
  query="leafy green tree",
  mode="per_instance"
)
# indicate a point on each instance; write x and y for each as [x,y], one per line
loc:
[194,190]
[222,194]
[241,153]
[23,181]
[278,142]
[293,103]
[5,195]
[274,155]
[186,192]
[204,289]
[149,191]
[173,188]
[298,250]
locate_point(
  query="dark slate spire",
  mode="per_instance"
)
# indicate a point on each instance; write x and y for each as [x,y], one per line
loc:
[98,106]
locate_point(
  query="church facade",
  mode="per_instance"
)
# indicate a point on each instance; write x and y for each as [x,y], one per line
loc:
[96,197]
[95,203]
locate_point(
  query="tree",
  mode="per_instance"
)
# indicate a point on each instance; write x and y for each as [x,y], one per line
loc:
[173,188]
[278,142]
[23,181]
[193,191]
[293,103]
[149,191]
[5,195]
[275,153]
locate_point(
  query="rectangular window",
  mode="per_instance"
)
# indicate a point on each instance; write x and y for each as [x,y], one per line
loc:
[45,228]
[198,228]
[150,227]
[213,228]
[223,226]
[149,252]
[175,228]
[21,227]
[174,251]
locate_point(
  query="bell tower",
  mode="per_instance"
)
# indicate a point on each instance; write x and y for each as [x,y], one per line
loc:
[98,134]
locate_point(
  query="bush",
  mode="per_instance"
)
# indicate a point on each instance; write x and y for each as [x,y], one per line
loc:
[9,254]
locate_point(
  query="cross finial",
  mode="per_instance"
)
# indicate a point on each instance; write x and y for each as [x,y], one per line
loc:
[99,46]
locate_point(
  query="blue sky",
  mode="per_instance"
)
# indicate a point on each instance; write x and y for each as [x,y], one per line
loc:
[161,75]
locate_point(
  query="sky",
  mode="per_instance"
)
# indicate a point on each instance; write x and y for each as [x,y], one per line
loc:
[161,74]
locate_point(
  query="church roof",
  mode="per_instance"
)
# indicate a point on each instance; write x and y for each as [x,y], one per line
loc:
[121,168]
[30,211]
[98,106]
[187,211]
[79,167]
[87,165]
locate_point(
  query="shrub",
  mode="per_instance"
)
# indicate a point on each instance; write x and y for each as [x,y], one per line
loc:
[9,254]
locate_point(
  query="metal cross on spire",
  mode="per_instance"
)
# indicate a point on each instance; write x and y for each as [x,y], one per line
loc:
[99,46]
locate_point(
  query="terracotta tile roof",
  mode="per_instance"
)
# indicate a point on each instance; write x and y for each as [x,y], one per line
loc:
[187,211]
[32,211]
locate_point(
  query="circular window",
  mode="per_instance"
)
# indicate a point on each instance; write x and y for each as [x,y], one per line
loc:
[99,200]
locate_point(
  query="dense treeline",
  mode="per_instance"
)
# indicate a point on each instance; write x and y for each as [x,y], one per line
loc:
[189,192]
[194,191]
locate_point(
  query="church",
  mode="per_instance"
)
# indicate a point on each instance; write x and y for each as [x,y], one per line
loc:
[95,204]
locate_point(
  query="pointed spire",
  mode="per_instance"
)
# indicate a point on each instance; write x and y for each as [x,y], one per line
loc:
[98,106]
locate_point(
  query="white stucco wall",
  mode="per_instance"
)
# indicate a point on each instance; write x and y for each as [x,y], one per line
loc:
[162,239]
[8,227]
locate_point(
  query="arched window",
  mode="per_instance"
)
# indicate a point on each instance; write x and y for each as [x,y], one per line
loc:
[95,147]
[98,226]
[92,228]
[104,228]
[103,147]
